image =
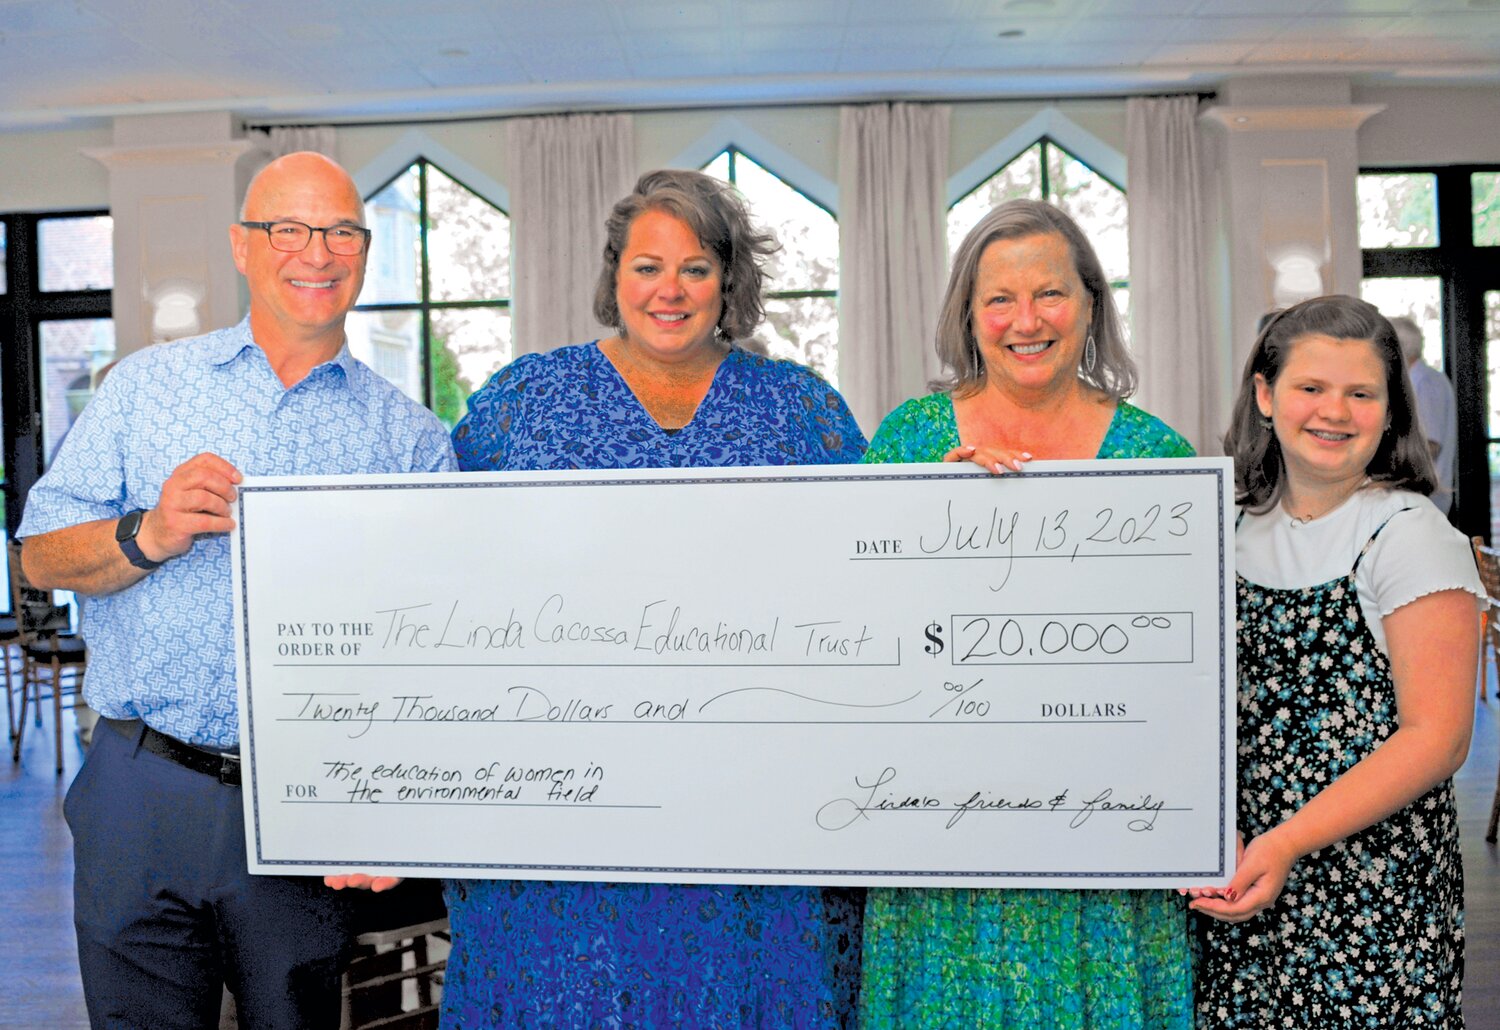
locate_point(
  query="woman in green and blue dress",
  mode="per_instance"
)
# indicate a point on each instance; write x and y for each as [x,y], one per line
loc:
[1035,367]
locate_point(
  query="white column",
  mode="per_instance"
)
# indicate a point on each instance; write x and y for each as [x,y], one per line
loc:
[175,183]
[1290,165]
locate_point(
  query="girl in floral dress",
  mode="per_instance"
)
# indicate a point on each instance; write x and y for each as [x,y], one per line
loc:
[1357,642]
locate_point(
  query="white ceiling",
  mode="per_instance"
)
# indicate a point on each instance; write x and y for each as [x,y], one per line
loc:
[81,61]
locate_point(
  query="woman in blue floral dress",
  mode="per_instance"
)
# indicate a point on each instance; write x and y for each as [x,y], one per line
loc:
[682,279]
[1358,642]
[1037,368]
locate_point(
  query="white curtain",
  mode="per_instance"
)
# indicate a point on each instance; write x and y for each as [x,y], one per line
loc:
[289,139]
[893,168]
[566,172]
[1173,329]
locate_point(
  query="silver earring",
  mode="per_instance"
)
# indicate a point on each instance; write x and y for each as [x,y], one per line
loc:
[1090,354]
[1265,422]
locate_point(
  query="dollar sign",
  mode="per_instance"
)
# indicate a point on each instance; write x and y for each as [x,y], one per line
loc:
[934,633]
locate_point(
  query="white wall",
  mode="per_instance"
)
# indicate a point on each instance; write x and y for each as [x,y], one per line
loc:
[1430,126]
[480,145]
[47,171]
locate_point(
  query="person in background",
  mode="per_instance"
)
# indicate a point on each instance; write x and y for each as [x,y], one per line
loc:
[1436,411]
[1036,367]
[681,284]
[1357,647]
[134,512]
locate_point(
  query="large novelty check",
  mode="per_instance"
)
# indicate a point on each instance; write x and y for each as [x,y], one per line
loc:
[910,675]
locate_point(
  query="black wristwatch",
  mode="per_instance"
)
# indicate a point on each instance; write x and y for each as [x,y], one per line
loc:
[126,530]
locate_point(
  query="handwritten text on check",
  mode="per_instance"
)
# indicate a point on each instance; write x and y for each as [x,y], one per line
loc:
[905,675]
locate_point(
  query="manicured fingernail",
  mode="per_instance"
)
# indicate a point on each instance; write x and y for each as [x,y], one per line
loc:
[1232,894]
[1025,456]
[999,469]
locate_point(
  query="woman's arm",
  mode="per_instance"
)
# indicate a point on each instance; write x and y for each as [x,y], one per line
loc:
[1434,647]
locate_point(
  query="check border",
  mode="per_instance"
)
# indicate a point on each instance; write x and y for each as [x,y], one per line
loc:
[686,477]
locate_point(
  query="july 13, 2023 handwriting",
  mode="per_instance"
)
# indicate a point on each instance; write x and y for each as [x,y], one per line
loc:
[893,675]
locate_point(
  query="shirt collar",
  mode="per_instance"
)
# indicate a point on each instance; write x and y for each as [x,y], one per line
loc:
[226,346]
[234,342]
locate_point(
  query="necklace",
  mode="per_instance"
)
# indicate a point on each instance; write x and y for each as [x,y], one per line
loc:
[1302,520]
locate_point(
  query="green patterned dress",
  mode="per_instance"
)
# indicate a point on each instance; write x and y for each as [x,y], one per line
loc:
[1024,959]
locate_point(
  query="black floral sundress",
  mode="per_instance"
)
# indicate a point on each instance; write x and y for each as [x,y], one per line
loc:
[1368,931]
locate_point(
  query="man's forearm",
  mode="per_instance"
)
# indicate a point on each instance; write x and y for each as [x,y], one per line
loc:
[84,558]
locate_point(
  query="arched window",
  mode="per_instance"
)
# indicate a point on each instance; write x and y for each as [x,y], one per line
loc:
[434,315]
[1046,171]
[802,317]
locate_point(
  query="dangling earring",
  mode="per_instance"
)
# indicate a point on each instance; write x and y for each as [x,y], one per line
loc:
[1265,422]
[1090,354]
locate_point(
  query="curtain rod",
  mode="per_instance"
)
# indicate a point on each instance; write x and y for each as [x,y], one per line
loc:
[499,116]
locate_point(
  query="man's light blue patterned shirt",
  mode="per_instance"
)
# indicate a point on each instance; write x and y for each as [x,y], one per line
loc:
[162,650]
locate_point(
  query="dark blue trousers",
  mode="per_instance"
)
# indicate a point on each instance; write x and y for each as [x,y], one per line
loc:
[167,914]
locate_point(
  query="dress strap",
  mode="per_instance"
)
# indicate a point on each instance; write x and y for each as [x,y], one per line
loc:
[1371,542]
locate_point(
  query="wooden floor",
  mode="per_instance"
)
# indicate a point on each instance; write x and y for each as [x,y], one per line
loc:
[41,969]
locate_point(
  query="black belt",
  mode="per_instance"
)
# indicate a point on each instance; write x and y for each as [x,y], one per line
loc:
[225,767]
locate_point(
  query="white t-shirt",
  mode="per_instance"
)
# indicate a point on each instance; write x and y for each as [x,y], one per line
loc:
[1417,554]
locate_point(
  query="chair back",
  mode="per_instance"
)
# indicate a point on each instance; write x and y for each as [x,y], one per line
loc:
[37,617]
[1488,561]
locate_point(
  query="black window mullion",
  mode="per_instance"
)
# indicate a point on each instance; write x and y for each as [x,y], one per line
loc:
[1464,345]
[20,399]
[428,390]
[1404,261]
[800,294]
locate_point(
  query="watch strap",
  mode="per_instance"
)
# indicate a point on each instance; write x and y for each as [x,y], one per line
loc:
[129,547]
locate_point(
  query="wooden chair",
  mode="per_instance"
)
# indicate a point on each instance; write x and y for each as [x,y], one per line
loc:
[52,659]
[395,981]
[1488,561]
[10,643]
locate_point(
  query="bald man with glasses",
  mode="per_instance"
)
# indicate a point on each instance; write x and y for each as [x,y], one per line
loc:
[134,512]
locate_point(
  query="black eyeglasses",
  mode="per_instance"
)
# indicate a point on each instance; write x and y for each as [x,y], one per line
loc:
[343,239]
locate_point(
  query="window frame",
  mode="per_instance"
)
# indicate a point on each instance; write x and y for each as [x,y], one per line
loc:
[425,305]
[1045,140]
[23,308]
[1464,272]
[735,151]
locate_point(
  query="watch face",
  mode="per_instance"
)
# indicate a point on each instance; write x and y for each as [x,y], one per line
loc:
[129,525]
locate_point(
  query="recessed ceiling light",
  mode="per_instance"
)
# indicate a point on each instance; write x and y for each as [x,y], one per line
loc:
[1010,33]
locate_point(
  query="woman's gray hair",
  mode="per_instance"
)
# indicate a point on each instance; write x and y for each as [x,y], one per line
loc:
[963,366]
[719,218]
